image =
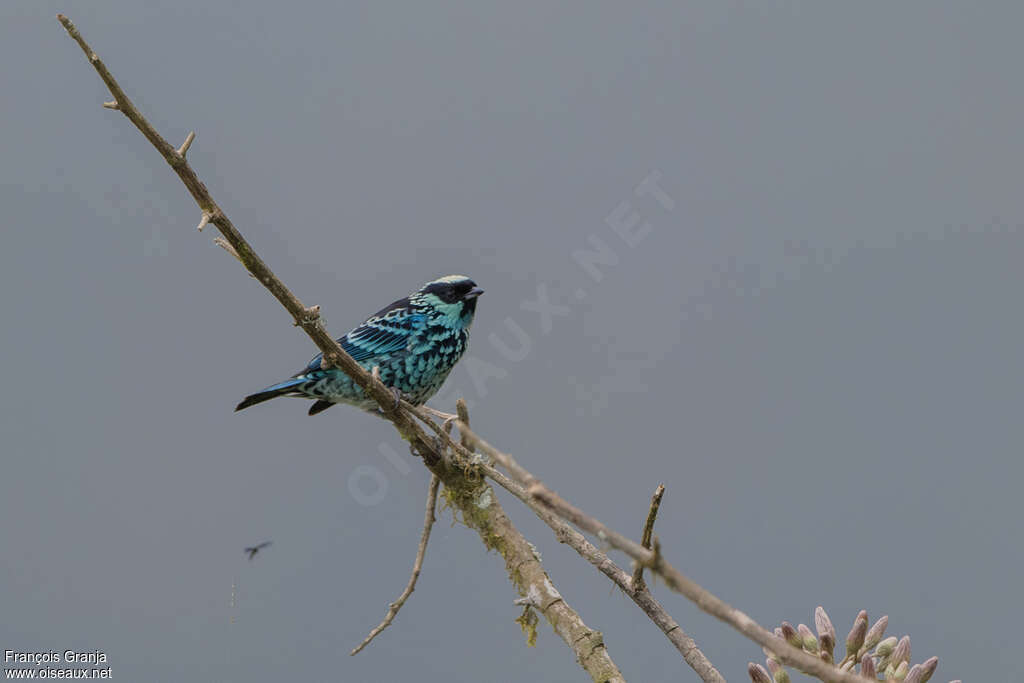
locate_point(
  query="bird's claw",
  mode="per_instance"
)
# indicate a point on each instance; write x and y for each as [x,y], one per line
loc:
[398,396]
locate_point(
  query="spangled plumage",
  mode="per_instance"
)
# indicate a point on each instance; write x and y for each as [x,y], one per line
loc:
[415,342]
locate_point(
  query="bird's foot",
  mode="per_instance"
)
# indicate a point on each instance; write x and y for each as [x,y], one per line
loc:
[398,396]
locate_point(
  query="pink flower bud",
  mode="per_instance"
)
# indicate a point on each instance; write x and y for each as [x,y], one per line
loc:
[823,623]
[915,674]
[867,667]
[828,646]
[876,632]
[901,653]
[856,637]
[790,635]
[928,668]
[758,674]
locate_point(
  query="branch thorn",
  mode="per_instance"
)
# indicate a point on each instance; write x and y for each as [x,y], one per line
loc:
[112,105]
[183,150]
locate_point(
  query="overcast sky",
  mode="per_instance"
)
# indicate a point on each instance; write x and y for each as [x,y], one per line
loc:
[813,337]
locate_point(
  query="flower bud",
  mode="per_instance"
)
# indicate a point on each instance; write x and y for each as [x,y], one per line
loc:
[901,671]
[758,674]
[875,633]
[810,643]
[915,674]
[779,674]
[867,667]
[856,637]
[886,647]
[828,646]
[790,635]
[928,668]
[901,653]
[823,623]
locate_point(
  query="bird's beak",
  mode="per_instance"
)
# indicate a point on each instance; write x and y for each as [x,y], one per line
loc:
[473,293]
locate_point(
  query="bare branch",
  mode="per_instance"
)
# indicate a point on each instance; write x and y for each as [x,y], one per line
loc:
[645,538]
[428,523]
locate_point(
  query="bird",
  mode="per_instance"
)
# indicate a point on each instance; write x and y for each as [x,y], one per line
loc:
[253,549]
[413,344]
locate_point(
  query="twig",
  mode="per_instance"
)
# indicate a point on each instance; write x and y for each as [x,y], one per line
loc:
[428,523]
[645,538]
[474,498]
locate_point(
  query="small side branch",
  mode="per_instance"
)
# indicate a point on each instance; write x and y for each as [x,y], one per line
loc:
[428,523]
[645,539]
[183,150]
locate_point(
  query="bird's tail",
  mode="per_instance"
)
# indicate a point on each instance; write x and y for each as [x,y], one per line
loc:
[283,389]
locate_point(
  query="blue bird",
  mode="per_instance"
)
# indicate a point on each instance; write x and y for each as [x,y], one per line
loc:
[415,342]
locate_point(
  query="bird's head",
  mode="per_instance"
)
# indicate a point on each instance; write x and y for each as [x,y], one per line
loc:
[453,297]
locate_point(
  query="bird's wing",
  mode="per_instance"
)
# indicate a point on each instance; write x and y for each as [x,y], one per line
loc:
[386,331]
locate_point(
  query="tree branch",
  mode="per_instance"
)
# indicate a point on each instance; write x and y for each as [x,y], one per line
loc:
[472,496]
[428,523]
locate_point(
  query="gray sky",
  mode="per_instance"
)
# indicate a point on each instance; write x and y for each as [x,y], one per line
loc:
[816,347]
